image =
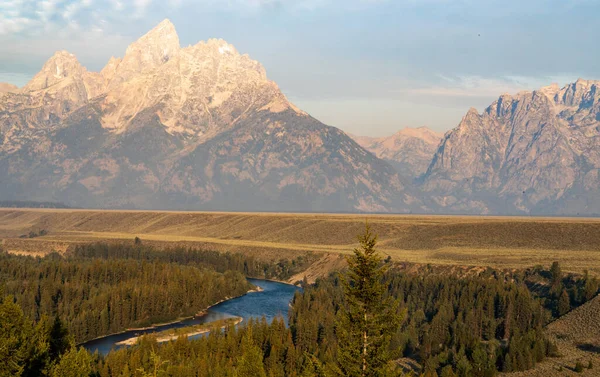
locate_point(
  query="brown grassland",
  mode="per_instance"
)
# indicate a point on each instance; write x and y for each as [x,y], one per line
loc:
[500,242]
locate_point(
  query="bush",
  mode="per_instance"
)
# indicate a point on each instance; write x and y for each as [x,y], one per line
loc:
[579,367]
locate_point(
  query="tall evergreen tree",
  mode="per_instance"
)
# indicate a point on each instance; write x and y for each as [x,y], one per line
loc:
[369,318]
[15,330]
[251,362]
[74,363]
[564,303]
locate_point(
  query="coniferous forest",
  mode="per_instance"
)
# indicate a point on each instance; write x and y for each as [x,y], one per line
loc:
[371,320]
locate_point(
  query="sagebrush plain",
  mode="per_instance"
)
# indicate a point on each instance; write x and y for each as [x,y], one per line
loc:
[499,242]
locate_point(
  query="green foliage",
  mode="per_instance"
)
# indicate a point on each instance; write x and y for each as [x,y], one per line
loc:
[28,349]
[15,333]
[369,317]
[475,325]
[250,364]
[564,303]
[455,326]
[156,367]
[579,367]
[101,296]
[74,363]
[206,259]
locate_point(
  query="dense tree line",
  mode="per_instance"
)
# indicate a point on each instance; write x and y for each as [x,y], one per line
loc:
[30,204]
[220,262]
[470,327]
[98,296]
[33,349]
[364,322]
[560,292]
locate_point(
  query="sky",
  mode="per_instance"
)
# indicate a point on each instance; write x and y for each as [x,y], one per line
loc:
[369,67]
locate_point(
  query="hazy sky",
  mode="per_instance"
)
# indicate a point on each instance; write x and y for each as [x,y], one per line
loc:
[367,66]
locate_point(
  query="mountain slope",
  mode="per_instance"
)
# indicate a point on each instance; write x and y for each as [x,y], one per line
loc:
[200,127]
[535,153]
[409,150]
[6,87]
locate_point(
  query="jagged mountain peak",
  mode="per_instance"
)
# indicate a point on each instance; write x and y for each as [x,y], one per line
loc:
[162,35]
[533,152]
[194,90]
[150,51]
[221,46]
[60,66]
[171,127]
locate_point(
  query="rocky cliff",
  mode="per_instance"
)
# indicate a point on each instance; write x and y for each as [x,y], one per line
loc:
[532,153]
[200,127]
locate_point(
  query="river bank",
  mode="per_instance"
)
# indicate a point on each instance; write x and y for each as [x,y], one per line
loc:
[206,328]
[271,300]
[156,326]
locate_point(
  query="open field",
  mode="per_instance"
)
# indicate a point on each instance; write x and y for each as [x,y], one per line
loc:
[501,242]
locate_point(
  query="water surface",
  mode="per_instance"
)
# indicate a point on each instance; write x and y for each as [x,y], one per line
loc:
[273,301]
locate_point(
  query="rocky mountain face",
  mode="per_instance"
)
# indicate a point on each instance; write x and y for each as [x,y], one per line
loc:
[533,153]
[6,87]
[200,127]
[410,150]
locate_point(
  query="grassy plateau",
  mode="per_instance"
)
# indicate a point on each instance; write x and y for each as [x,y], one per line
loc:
[500,242]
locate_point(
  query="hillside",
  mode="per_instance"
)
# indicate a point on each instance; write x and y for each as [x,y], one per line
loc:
[166,127]
[203,128]
[577,335]
[530,153]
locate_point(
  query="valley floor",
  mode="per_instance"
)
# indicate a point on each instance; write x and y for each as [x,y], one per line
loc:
[500,242]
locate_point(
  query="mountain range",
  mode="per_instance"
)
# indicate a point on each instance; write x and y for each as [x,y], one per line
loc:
[532,153]
[409,150]
[202,127]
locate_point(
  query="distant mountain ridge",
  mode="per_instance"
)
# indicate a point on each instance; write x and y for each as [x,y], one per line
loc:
[409,150]
[532,153]
[202,127]
[165,127]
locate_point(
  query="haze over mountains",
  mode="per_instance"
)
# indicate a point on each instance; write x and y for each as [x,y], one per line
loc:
[202,127]
[199,127]
[535,152]
[409,150]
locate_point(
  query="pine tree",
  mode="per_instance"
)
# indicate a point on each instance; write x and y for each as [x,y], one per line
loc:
[251,362]
[15,333]
[448,372]
[74,363]
[369,319]
[59,339]
[564,303]
[556,277]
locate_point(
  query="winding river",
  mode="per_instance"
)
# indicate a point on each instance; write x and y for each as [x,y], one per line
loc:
[272,301]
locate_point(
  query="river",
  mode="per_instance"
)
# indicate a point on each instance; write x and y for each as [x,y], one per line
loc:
[272,301]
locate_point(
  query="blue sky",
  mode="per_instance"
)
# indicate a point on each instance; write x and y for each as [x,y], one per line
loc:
[367,66]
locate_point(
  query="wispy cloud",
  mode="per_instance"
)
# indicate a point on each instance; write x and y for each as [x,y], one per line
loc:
[35,16]
[477,86]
